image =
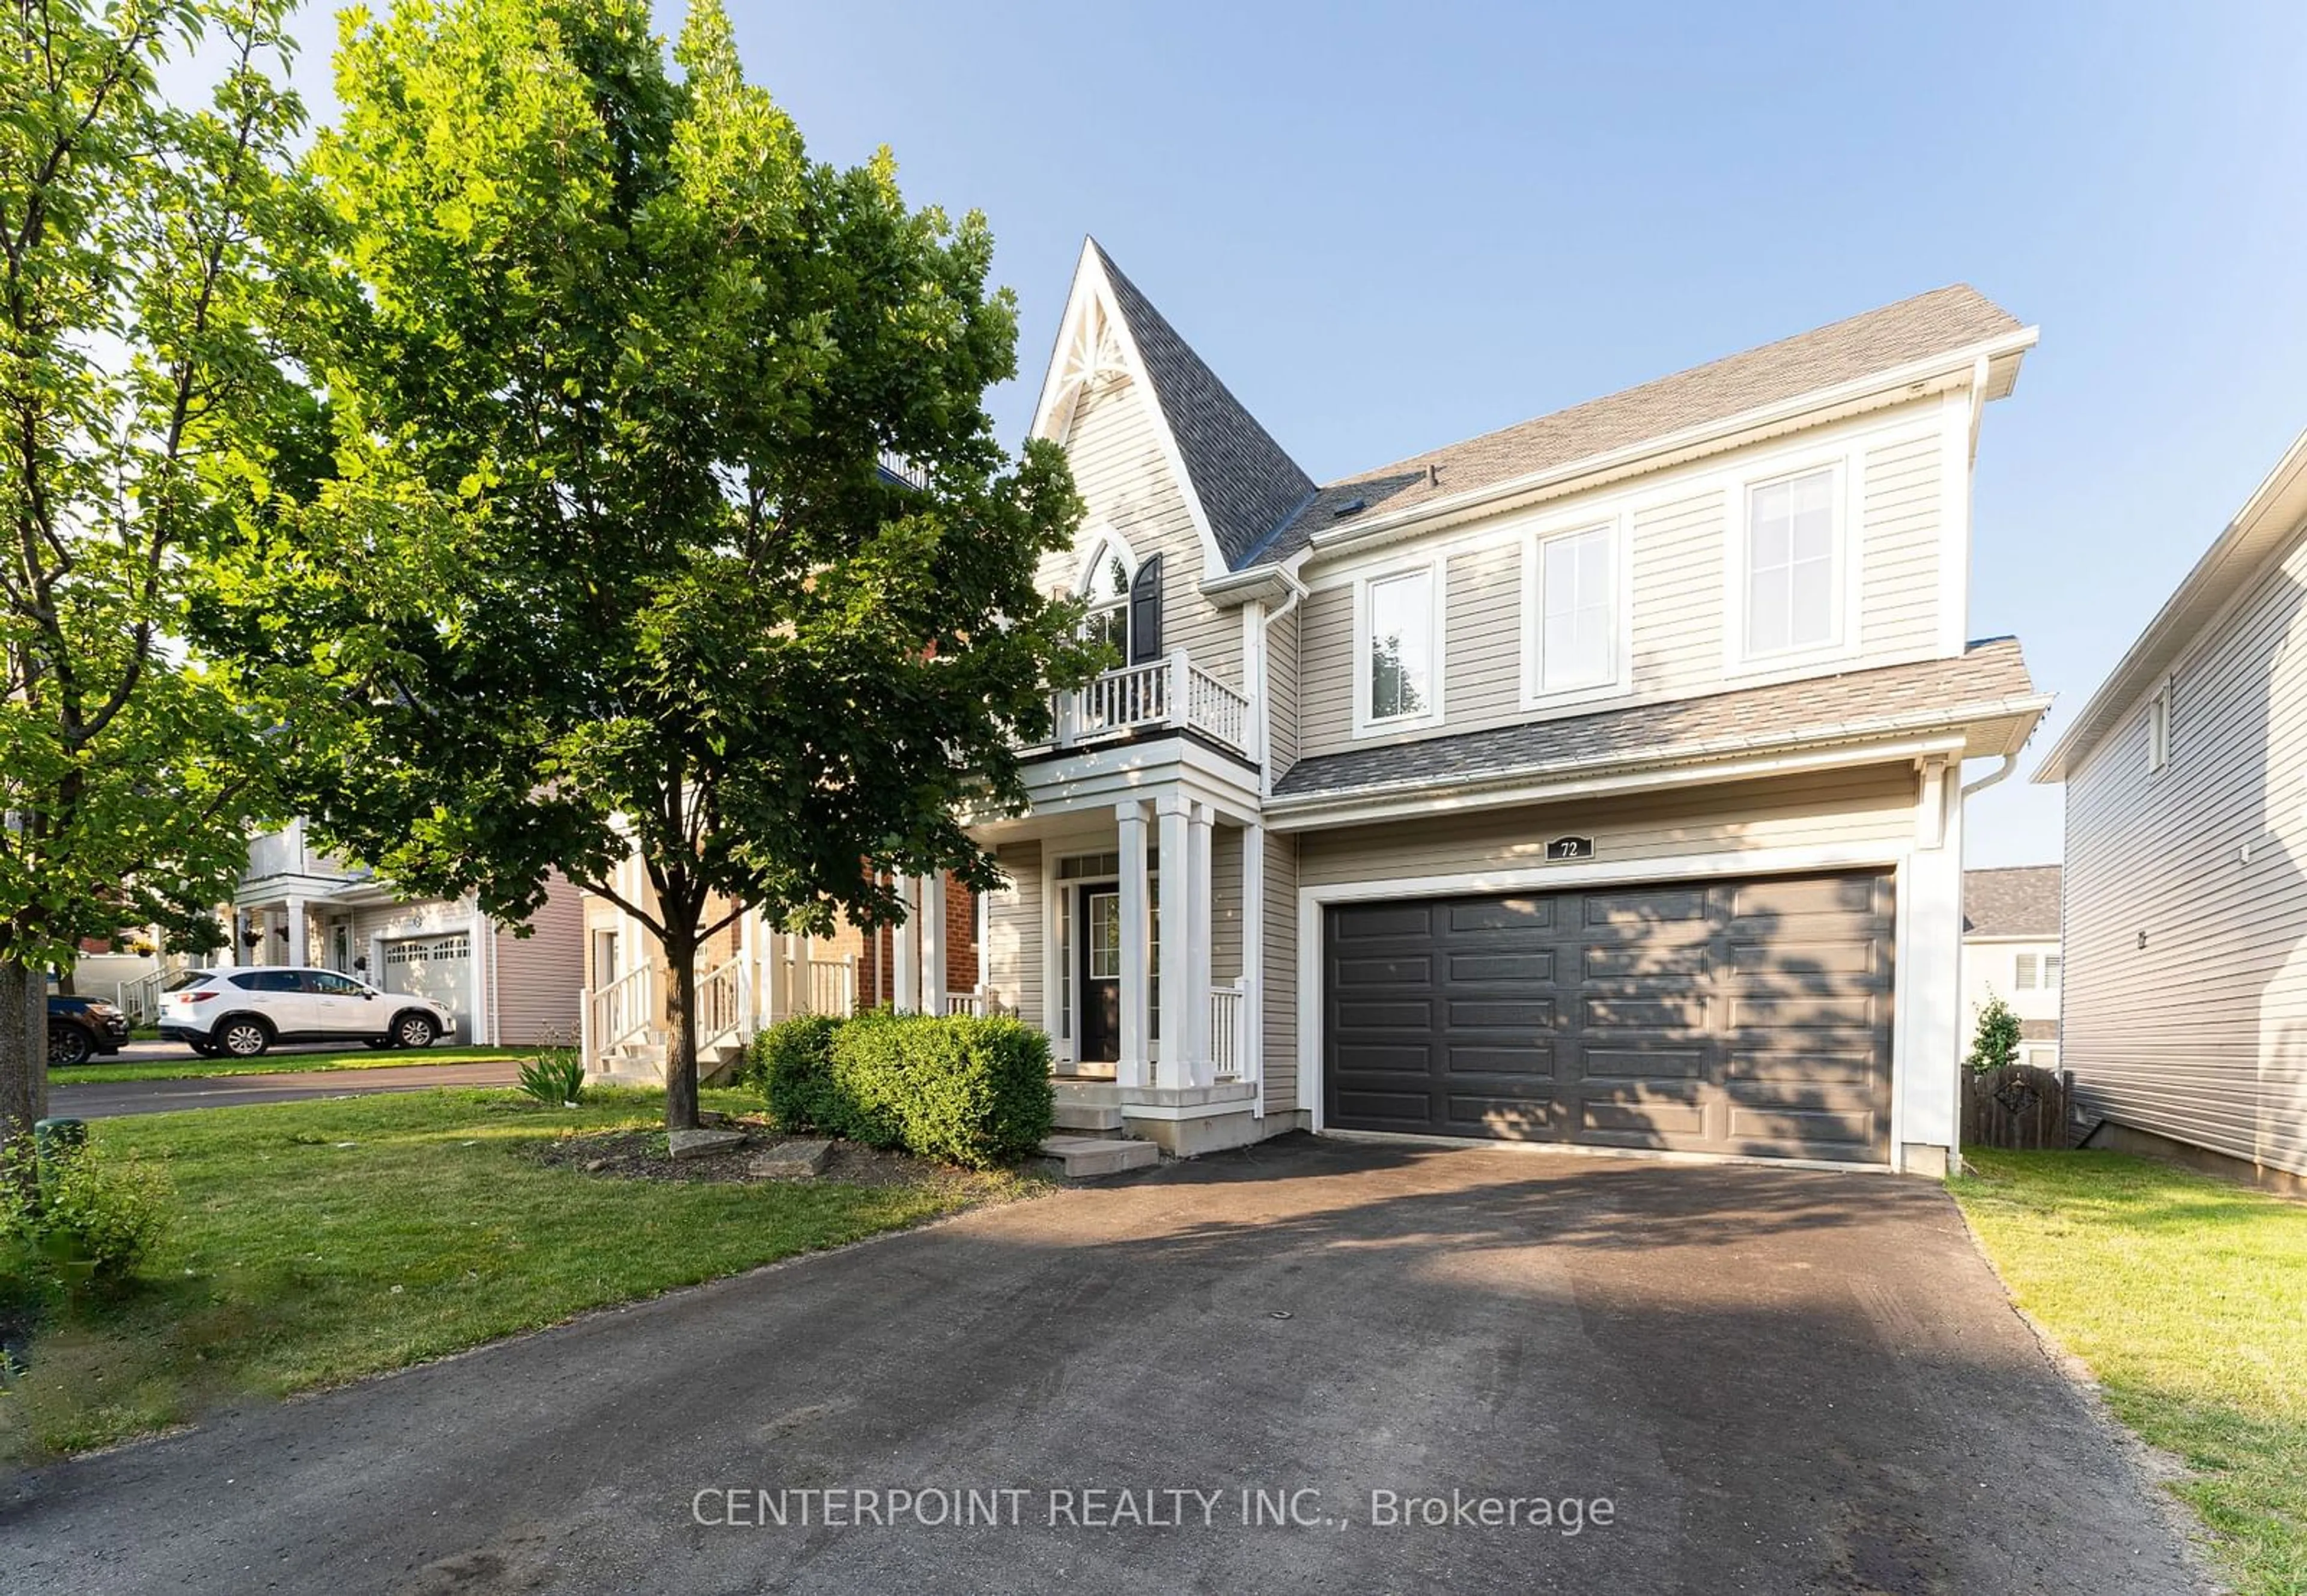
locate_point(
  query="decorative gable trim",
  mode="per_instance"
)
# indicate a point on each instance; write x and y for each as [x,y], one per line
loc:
[1094,341]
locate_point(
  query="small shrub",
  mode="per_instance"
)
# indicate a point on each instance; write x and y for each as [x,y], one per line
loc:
[791,1066]
[970,1091]
[1995,1044]
[556,1077]
[77,1220]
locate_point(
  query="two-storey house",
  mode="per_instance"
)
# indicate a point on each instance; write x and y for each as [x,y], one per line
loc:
[2010,951]
[1596,782]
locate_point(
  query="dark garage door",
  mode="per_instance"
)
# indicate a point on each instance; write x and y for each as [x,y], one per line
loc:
[1711,1016]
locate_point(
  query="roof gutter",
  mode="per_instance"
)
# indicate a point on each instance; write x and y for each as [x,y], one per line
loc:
[1966,362]
[2001,772]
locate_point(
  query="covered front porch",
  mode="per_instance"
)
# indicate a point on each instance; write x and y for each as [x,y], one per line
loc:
[1132,934]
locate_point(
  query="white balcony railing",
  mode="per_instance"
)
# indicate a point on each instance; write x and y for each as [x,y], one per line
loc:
[1169,692]
[1229,1045]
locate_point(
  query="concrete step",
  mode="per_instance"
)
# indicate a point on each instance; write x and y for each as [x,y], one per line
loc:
[1086,1157]
[1090,1118]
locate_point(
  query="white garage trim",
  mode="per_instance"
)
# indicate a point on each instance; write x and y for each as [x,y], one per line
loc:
[1761,861]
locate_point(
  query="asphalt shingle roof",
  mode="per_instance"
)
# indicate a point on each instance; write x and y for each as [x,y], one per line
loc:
[1246,483]
[1987,677]
[2022,901]
[1933,323]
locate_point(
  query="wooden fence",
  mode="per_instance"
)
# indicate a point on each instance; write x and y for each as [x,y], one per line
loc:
[2019,1107]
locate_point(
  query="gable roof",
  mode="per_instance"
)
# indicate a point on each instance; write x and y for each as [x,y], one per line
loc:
[1938,322]
[1246,483]
[2022,901]
[2271,521]
[1986,691]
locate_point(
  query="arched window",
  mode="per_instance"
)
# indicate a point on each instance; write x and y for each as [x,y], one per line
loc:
[1105,580]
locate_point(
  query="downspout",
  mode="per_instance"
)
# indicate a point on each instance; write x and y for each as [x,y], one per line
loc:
[1264,699]
[2010,763]
[1254,994]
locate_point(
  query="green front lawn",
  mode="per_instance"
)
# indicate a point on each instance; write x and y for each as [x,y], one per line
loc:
[2187,1297]
[291,1063]
[319,1241]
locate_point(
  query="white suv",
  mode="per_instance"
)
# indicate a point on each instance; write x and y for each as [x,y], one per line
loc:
[244,1010]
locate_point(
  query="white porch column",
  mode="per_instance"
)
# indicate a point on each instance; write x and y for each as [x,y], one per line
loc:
[299,933]
[1253,963]
[1201,929]
[1175,933]
[904,960]
[1136,1065]
[1930,965]
[932,892]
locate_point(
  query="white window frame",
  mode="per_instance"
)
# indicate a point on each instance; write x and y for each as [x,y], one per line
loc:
[1436,569]
[1842,640]
[2159,729]
[1613,524]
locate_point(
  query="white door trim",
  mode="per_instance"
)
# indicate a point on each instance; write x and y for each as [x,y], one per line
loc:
[1600,872]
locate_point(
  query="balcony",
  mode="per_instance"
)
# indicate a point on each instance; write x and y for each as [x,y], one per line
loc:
[1170,691]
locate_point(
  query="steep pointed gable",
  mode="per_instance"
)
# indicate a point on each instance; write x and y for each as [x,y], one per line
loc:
[1246,483]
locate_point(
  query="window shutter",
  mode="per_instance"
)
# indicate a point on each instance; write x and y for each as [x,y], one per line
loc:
[1146,612]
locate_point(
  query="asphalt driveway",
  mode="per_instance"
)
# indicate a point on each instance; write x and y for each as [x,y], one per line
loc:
[1779,1381]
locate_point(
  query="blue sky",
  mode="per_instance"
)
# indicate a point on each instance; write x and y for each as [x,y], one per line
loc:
[1388,227]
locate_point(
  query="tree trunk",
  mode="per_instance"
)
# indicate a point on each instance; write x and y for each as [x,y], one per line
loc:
[23,1048]
[681,1055]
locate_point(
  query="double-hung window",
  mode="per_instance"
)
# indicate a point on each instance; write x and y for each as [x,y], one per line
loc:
[1792,584]
[1400,650]
[1576,642]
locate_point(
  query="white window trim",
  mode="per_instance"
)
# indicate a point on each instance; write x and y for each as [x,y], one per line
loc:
[1622,609]
[1437,571]
[1843,638]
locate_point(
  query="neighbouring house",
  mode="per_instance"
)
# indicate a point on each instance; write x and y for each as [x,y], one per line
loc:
[2185,989]
[2010,951]
[297,905]
[1596,782]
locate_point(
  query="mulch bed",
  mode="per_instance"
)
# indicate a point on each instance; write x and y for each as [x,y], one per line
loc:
[641,1155]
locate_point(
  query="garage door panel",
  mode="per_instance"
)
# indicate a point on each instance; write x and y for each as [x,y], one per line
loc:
[1650,907]
[1502,914]
[1500,1061]
[1535,1014]
[1735,1017]
[1650,1063]
[1514,969]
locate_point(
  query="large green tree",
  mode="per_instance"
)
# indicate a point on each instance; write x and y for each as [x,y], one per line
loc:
[138,310]
[614,560]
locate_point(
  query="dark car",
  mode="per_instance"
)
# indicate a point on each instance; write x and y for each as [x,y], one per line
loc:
[80,1028]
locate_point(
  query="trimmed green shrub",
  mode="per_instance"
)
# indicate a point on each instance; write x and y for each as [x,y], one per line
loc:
[969,1091]
[1995,1044]
[791,1066]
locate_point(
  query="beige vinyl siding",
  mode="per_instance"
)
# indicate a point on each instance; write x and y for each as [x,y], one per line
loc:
[1679,565]
[1482,683]
[1279,975]
[538,976]
[1282,693]
[1899,513]
[2201,1033]
[1225,903]
[1870,805]
[1124,477]
[1014,932]
[1678,575]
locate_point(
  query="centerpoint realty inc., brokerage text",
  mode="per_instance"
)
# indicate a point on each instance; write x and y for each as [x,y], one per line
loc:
[1152,1508]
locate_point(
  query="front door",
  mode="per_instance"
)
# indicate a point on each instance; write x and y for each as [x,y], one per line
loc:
[1101,974]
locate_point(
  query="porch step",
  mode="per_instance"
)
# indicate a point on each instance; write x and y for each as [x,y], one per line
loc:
[1086,1157]
[1093,1117]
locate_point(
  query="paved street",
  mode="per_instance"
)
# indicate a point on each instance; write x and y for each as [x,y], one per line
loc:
[1780,1381]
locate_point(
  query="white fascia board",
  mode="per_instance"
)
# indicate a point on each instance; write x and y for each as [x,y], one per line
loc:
[1361,807]
[1943,369]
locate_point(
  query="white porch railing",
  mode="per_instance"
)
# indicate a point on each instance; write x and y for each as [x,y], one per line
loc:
[724,1003]
[616,1014]
[1168,691]
[1229,1045]
[140,999]
[831,986]
[974,1002]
